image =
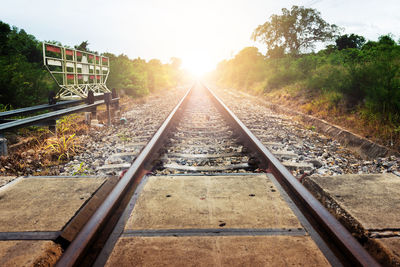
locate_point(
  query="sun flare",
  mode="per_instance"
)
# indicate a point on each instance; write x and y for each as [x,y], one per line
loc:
[198,65]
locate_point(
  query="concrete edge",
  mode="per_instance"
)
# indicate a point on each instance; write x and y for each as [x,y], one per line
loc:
[376,248]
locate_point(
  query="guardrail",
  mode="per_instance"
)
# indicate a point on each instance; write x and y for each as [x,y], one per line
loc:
[50,116]
[30,110]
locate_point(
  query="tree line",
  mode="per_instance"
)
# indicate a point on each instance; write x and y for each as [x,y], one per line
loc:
[352,74]
[25,82]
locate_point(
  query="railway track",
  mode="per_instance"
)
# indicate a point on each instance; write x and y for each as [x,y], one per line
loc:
[194,196]
[203,142]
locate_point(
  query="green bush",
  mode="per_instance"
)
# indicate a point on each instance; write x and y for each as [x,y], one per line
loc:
[23,80]
[364,77]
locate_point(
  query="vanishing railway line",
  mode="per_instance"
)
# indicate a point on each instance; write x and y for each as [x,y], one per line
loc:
[193,196]
[203,143]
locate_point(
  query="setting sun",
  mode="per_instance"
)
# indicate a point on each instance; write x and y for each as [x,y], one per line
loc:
[197,65]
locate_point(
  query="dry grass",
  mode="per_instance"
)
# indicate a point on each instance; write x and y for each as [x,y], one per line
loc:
[37,149]
[328,107]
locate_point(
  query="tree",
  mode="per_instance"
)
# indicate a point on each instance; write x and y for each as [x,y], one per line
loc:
[4,31]
[23,80]
[349,41]
[175,62]
[295,31]
[84,46]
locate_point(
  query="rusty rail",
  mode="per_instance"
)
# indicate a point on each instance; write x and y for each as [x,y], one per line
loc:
[342,243]
[76,250]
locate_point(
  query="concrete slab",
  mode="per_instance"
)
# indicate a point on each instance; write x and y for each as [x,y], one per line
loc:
[368,206]
[184,202]
[392,248]
[43,204]
[373,200]
[6,179]
[29,253]
[217,251]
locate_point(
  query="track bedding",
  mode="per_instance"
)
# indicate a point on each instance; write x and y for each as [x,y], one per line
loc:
[204,204]
[203,143]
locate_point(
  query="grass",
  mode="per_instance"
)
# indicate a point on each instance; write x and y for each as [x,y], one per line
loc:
[328,105]
[63,147]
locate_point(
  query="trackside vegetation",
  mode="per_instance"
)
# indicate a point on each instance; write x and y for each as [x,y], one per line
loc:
[25,82]
[352,82]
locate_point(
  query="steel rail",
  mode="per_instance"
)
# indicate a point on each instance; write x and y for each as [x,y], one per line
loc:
[12,125]
[80,245]
[27,110]
[342,243]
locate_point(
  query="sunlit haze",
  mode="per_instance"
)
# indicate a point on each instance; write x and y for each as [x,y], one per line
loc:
[200,33]
[197,63]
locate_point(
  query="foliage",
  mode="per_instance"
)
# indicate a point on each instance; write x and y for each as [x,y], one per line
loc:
[349,41]
[84,46]
[137,77]
[81,170]
[5,107]
[352,77]
[368,76]
[294,31]
[63,147]
[23,81]
[244,70]
[68,124]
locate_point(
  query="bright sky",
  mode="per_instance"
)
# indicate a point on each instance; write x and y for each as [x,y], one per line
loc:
[201,33]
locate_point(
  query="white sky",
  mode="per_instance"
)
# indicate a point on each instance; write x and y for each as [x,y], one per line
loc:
[201,32]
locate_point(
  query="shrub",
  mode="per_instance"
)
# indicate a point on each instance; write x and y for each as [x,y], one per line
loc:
[63,147]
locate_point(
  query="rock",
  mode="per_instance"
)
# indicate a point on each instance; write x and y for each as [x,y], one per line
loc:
[387,164]
[316,163]
[96,163]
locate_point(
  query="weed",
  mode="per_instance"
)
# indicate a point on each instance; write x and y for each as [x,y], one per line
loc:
[67,124]
[5,107]
[63,147]
[312,128]
[81,170]
[123,137]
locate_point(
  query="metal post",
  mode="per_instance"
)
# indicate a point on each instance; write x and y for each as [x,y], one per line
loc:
[117,112]
[107,100]
[88,118]
[3,146]
[94,113]
[53,126]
